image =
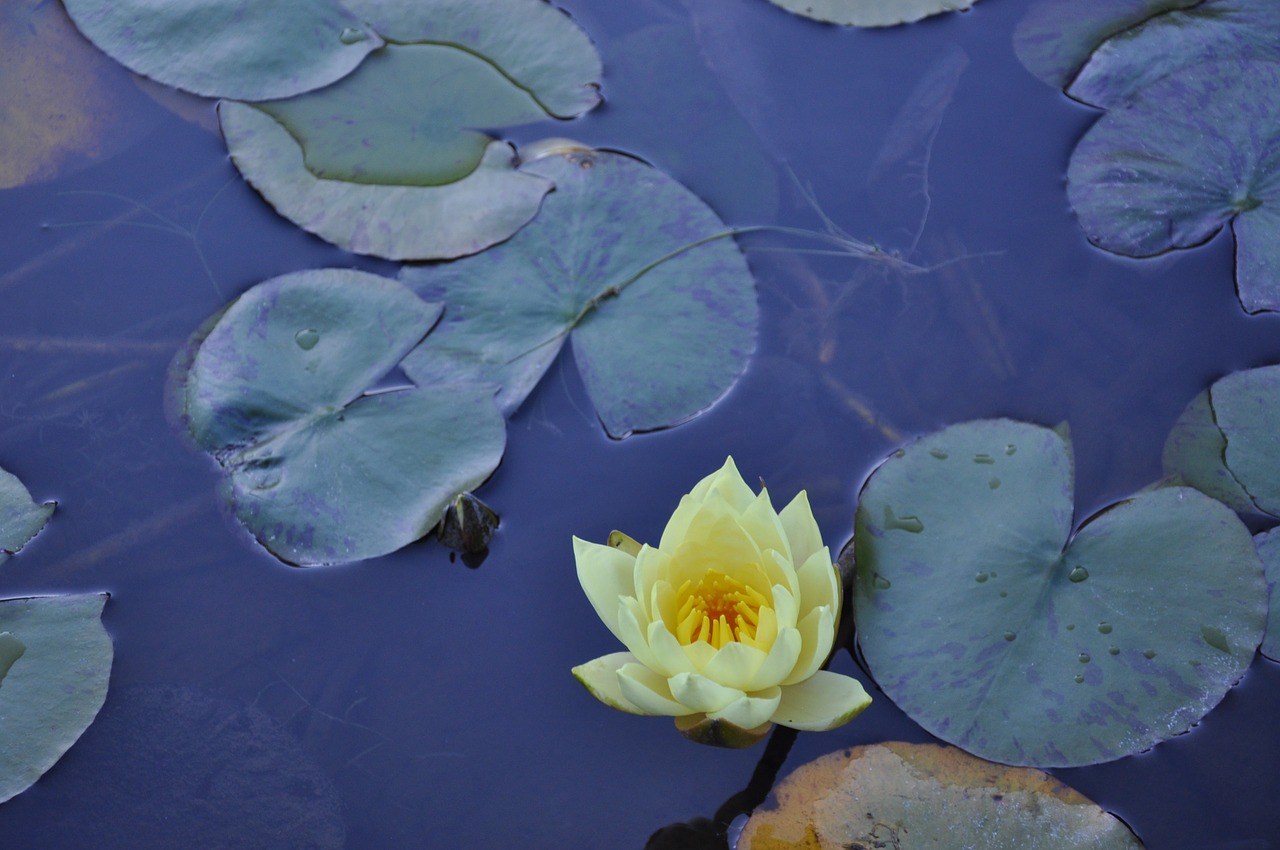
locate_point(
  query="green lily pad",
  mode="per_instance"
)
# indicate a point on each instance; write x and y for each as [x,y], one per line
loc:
[1184,157]
[396,222]
[55,660]
[20,517]
[915,796]
[660,329]
[242,49]
[1212,30]
[1226,442]
[1268,545]
[321,467]
[871,13]
[999,629]
[1055,38]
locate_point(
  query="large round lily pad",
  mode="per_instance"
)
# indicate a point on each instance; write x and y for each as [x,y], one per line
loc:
[20,517]
[999,629]
[396,222]
[1185,156]
[871,13]
[1211,30]
[1227,441]
[55,660]
[243,49]
[661,326]
[918,796]
[1269,550]
[321,467]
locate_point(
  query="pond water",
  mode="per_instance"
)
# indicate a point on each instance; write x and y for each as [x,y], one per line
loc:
[414,702]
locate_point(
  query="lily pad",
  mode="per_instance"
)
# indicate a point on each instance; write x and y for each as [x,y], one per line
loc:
[999,629]
[396,222]
[1210,31]
[55,660]
[321,466]
[1269,550]
[20,517]
[1055,38]
[242,49]
[661,325]
[871,13]
[1226,442]
[915,796]
[1184,157]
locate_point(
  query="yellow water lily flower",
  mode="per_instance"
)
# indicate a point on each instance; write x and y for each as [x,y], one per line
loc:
[726,621]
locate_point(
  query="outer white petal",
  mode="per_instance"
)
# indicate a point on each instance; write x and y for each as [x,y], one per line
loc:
[600,677]
[699,654]
[678,526]
[780,661]
[669,657]
[605,574]
[734,665]
[726,481]
[824,701]
[819,582]
[751,710]
[648,691]
[761,521]
[700,693]
[817,633]
[650,566]
[784,606]
[782,571]
[632,633]
[801,528]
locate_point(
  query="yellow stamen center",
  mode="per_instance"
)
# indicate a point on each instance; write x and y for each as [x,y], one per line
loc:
[718,610]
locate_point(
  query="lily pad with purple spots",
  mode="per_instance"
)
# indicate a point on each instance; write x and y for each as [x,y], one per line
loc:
[1001,629]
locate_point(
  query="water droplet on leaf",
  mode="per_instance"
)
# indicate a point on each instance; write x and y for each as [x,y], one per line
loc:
[881,582]
[980,578]
[1104,628]
[1150,653]
[1078,574]
[1215,638]
[903,523]
[1079,679]
[353,35]
[983,458]
[939,454]
[1084,658]
[307,338]
[1010,635]
[1114,650]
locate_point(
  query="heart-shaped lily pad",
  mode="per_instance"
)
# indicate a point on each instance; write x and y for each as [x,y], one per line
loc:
[917,796]
[243,49]
[1000,630]
[396,222]
[1055,38]
[1173,42]
[871,13]
[20,517]
[55,660]
[624,261]
[322,467]
[1185,156]
[1227,442]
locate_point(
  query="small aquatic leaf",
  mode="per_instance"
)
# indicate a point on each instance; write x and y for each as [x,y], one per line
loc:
[59,661]
[993,625]
[1055,37]
[1268,545]
[395,222]
[871,13]
[20,517]
[242,49]
[1184,157]
[652,353]
[321,467]
[1227,444]
[1213,30]
[914,796]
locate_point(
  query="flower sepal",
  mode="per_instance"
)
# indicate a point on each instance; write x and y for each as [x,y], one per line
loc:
[720,733]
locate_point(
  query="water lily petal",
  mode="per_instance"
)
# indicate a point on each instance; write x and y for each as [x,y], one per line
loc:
[751,710]
[678,526]
[782,571]
[699,654]
[605,575]
[648,691]
[761,521]
[801,528]
[728,483]
[819,582]
[766,629]
[662,604]
[734,665]
[699,693]
[823,701]
[817,633]
[669,657]
[632,633]
[716,541]
[600,677]
[650,566]
[780,661]
[784,606]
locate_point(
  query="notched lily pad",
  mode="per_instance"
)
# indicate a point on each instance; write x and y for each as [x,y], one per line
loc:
[55,660]
[1184,157]
[871,13]
[999,629]
[661,325]
[321,466]
[20,517]
[242,49]
[396,222]
[1226,443]
[916,796]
